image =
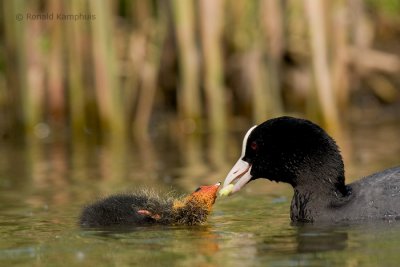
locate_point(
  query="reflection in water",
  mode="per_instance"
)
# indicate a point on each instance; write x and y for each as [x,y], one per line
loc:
[293,240]
[146,154]
[193,162]
[44,184]
[146,244]
[217,149]
[319,239]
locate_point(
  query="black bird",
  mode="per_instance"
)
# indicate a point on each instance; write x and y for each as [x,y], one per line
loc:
[148,208]
[299,152]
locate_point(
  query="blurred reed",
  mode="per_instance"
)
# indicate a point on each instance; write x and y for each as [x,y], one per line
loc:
[189,105]
[203,66]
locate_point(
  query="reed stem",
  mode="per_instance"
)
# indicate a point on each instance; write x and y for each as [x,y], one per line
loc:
[321,71]
[188,93]
[211,33]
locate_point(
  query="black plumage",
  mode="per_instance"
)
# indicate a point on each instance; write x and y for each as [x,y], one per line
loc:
[148,208]
[299,152]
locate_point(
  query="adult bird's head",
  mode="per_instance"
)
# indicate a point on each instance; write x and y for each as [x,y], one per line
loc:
[291,150]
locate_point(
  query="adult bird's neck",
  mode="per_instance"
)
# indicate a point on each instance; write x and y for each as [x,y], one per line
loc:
[312,198]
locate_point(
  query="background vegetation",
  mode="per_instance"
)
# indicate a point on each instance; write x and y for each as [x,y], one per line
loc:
[194,66]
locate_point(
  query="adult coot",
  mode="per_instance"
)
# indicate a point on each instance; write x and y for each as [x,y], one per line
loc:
[146,208]
[299,152]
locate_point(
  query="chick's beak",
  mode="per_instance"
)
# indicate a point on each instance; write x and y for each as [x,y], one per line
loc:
[210,189]
[239,175]
[214,188]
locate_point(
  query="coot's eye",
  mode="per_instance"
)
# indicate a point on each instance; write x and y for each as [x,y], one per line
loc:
[198,189]
[253,145]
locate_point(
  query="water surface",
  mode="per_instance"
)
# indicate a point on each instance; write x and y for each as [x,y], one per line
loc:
[44,184]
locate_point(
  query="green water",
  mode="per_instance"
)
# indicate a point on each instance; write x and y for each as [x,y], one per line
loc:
[44,184]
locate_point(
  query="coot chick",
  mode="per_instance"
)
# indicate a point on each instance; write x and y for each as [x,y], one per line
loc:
[299,152]
[147,208]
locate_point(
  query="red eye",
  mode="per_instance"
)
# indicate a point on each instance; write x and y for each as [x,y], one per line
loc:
[253,145]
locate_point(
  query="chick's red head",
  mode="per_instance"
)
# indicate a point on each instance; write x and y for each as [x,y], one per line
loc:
[204,196]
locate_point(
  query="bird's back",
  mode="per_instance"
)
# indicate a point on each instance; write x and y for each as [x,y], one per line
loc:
[116,210]
[375,197]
